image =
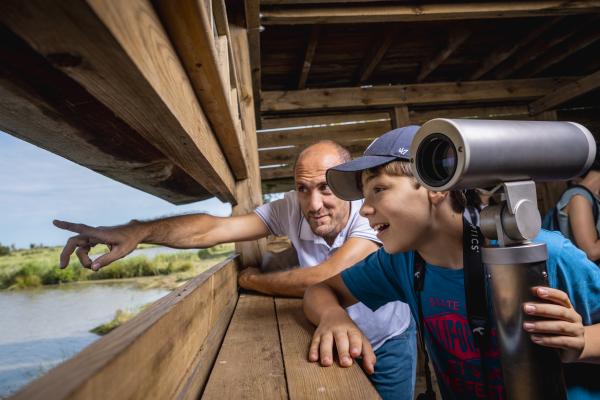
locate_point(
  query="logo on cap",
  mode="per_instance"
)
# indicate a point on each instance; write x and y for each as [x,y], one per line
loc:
[402,150]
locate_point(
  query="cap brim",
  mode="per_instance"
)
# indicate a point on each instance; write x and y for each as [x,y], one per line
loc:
[344,179]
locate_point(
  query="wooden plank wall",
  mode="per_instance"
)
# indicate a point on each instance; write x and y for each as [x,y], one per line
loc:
[165,352]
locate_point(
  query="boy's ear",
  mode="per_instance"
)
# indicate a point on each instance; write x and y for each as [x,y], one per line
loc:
[436,198]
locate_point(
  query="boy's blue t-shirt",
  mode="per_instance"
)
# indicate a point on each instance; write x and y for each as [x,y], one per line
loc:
[383,277]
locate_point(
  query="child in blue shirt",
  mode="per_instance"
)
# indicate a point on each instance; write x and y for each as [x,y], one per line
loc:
[411,219]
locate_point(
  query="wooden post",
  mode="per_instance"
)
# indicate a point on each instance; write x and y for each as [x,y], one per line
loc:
[248,191]
[400,117]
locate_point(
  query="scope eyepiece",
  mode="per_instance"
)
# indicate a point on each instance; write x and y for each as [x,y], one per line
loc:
[436,160]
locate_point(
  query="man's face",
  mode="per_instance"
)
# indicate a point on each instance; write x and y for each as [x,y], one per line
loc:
[326,214]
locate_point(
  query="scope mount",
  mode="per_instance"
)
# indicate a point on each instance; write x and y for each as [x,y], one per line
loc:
[515,218]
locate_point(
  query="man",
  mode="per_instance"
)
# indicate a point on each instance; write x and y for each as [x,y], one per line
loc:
[328,234]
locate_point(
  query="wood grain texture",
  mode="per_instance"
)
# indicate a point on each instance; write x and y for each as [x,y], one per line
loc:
[566,92]
[415,94]
[188,24]
[43,106]
[311,46]
[148,357]
[401,117]
[456,39]
[250,363]
[423,12]
[308,380]
[372,60]
[248,191]
[340,133]
[279,122]
[120,54]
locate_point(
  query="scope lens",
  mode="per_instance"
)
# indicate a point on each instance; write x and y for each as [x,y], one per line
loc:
[436,160]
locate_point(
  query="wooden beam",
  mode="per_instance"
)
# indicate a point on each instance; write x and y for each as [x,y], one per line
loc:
[311,46]
[536,49]
[340,133]
[455,40]
[401,117]
[565,93]
[350,14]
[43,106]
[559,54]
[287,171]
[313,120]
[244,369]
[189,27]
[306,380]
[371,62]
[288,155]
[492,112]
[106,49]
[498,56]
[253,21]
[165,352]
[424,93]
[248,191]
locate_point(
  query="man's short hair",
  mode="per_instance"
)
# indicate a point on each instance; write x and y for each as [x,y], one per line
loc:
[343,152]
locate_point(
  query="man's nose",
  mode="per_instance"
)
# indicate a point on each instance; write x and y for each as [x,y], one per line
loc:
[316,202]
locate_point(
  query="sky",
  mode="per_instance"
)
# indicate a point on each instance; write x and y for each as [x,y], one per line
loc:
[37,186]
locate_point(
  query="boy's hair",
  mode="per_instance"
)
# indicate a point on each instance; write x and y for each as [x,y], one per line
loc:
[458,199]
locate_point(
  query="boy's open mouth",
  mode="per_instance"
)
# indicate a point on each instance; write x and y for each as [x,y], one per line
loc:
[381,227]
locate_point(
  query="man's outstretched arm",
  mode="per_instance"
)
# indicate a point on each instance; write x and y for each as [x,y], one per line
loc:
[184,231]
[294,282]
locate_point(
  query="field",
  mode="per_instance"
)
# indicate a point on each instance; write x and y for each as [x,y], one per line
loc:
[39,266]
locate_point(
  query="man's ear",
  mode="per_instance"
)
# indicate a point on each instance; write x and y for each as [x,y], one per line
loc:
[436,198]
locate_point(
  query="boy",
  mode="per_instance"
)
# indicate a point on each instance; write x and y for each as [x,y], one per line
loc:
[409,220]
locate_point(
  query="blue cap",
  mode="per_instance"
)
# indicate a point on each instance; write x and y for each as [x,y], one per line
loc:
[344,179]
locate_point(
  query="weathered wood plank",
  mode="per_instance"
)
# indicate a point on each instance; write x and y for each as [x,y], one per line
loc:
[248,191]
[340,133]
[455,40]
[311,46]
[426,12]
[288,155]
[424,93]
[250,363]
[401,117]
[311,120]
[188,24]
[307,380]
[150,356]
[277,185]
[253,21]
[106,47]
[565,93]
[492,112]
[43,106]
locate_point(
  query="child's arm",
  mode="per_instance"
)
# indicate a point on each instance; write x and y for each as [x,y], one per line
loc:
[562,327]
[322,307]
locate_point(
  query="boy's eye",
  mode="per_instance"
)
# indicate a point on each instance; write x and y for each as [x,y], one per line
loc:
[378,189]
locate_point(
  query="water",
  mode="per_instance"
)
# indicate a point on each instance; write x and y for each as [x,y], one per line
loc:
[41,328]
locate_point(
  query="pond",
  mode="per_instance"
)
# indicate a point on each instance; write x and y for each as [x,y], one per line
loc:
[42,327]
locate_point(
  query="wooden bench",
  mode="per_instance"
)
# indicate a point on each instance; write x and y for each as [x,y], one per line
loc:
[203,340]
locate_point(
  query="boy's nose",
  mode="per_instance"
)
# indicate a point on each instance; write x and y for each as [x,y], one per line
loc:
[366,209]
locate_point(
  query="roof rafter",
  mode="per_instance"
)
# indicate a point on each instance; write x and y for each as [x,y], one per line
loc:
[431,12]
[455,40]
[566,92]
[373,59]
[311,46]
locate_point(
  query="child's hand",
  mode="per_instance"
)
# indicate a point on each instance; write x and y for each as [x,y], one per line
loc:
[350,342]
[560,325]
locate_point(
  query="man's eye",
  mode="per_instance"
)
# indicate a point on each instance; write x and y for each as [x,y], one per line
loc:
[301,189]
[325,188]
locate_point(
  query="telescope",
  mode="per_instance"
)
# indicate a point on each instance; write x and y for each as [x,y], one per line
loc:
[451,154]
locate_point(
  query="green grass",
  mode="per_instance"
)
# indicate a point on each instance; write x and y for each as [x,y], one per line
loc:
[37,267]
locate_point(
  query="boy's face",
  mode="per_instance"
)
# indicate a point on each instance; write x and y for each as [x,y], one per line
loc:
[397,209]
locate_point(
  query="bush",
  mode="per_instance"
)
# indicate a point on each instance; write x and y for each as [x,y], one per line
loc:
[4,250]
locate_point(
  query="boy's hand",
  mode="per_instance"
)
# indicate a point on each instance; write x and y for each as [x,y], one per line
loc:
[560,325]
[336,326]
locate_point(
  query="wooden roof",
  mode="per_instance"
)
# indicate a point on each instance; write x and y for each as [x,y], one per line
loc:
[160,94]
[405,61]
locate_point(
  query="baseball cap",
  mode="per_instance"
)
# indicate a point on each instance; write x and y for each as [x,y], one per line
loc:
[344,179]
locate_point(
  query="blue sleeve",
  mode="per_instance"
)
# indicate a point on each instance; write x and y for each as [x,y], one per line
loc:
[571,271]
[375,281]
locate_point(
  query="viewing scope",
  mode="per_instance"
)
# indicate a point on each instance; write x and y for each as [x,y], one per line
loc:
[453,154]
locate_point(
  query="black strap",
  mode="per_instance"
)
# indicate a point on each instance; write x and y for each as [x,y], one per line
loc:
[475,296]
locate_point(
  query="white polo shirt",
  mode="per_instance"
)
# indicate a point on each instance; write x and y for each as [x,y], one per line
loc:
[284,218]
